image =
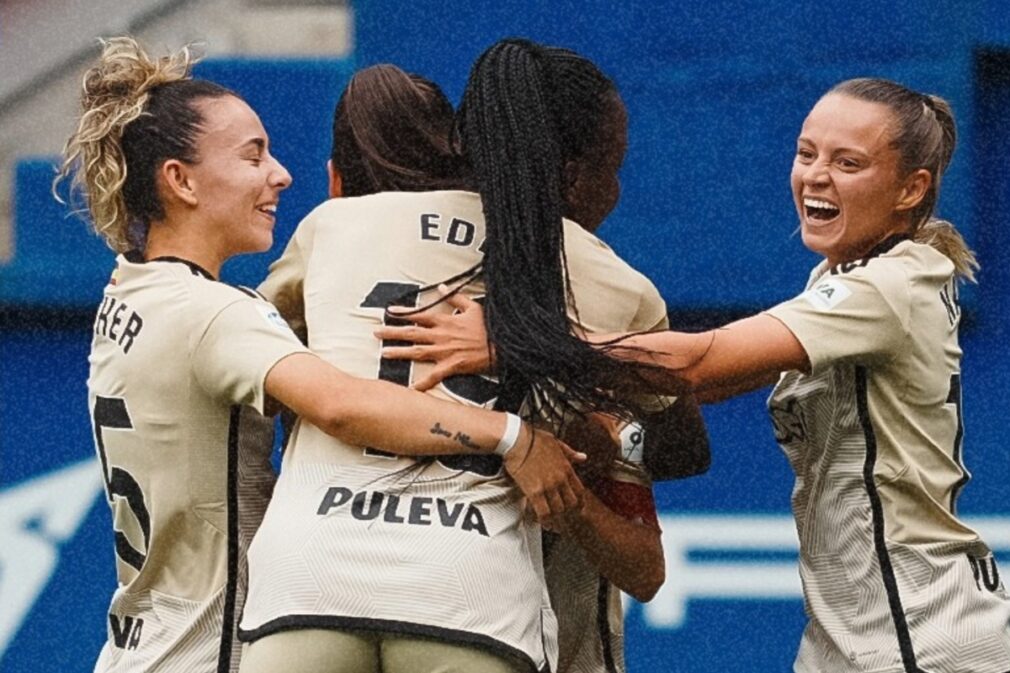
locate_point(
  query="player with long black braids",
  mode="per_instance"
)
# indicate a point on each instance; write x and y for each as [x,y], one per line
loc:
[387,241]
[528,113]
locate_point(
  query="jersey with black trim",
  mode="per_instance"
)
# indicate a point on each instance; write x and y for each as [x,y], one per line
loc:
[177,366]
[357,538]
[893,580]
[589,607]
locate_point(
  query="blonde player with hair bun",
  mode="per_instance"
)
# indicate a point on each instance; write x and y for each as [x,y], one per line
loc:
[867,405]
[178,177]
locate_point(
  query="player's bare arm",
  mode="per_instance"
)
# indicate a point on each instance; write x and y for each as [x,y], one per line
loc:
[723,393]
[742,356]
[627,552]
[351,409]
[614,535]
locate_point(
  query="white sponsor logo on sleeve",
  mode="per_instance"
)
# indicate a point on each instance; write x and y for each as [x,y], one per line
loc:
[632,441]
[827,294]
[271,315]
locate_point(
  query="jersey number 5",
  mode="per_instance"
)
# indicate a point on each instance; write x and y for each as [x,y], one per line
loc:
[110,413]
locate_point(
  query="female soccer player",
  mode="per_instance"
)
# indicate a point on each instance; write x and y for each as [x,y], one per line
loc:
[391,131]
[178,177]
[868,401]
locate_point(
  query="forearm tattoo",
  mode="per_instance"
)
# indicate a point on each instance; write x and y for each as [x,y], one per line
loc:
[460,437]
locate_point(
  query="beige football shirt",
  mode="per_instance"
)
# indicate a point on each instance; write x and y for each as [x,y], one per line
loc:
[892,577]
[439,546]
[589,607]
[178,362]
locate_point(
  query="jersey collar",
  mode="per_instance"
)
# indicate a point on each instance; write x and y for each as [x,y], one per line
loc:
[136,257]
[886,245]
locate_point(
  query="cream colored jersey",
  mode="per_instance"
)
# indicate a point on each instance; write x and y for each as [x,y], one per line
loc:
[893,580]
[589,607]
[178,362]
[355,538]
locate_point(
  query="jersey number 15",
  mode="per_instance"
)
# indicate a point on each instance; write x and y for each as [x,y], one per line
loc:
[476,390]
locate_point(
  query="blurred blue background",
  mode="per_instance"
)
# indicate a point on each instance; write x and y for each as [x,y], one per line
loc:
[716,93]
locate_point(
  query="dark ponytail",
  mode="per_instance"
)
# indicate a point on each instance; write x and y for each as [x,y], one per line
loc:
[391,132]
[513,127]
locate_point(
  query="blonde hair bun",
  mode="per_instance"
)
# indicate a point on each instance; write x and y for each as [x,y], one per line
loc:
[114,93]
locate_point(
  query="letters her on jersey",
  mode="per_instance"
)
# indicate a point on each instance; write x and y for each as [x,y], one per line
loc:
[178,362]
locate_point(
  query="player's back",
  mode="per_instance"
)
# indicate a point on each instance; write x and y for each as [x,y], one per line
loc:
[435,546]
[353,257]
[168,454]
[366,253]
[354,537]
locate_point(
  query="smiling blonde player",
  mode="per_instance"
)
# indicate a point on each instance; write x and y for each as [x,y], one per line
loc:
[868,402]
[178,177]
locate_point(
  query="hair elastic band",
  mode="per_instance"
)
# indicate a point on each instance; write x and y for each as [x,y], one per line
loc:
[511,435]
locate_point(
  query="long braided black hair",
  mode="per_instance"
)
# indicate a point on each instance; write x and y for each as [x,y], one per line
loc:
[528,110]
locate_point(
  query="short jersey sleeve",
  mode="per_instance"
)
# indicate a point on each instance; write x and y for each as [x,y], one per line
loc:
[285,280]
[237,350]
[651,315]
[859,316]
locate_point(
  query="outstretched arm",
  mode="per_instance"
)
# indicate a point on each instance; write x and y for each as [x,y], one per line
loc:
[723,393]
[741,356]
[394,418]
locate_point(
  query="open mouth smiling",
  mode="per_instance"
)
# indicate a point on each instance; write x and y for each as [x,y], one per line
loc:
[819,210]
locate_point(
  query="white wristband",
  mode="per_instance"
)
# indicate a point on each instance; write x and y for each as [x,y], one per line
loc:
[511,435]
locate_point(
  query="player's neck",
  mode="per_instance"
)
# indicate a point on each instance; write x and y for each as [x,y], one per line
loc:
[165,240]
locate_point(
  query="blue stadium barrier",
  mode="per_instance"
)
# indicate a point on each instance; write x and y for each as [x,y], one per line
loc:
[57,260]
[716,96]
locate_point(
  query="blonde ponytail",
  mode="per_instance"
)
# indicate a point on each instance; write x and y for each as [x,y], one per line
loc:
[943,237]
